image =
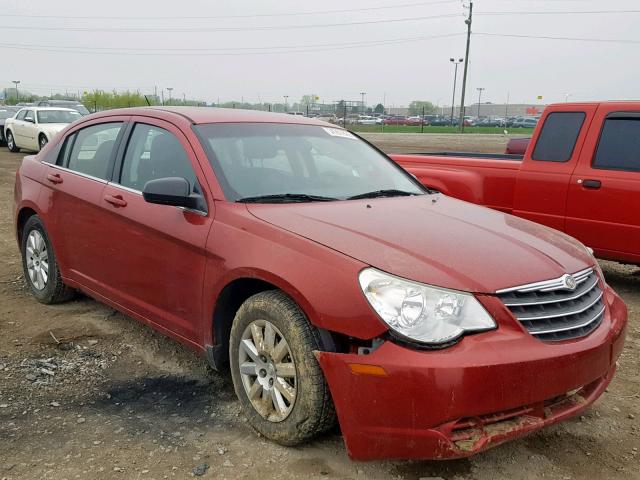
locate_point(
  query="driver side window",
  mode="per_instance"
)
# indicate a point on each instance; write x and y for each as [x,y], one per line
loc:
[153,153]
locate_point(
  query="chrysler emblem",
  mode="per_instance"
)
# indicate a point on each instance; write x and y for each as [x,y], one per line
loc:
[569,282]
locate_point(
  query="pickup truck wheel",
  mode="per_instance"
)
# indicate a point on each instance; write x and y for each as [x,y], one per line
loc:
[275,373]
[42,141]
[11,143]
[40,266]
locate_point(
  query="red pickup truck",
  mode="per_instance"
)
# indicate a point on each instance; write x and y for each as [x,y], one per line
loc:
[580,174]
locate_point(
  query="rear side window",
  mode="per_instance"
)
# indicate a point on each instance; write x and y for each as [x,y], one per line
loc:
[619,145]
[92,149]
[558,136]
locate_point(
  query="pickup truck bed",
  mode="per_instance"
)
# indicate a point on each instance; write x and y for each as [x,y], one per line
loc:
[580,174]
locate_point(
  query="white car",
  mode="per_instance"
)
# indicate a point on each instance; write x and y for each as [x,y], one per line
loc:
[366,120]
[32,127]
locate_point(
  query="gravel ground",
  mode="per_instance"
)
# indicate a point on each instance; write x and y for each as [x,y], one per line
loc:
[86,392]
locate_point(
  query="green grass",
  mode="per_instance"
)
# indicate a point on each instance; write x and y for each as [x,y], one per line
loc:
[429,129]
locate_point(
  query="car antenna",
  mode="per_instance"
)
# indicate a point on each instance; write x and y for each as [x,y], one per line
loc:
[148,102]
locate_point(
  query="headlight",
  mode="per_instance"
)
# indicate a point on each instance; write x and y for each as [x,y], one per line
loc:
[421,313]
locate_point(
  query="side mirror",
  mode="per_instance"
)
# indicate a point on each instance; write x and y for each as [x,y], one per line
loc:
[29,119]
[174,191]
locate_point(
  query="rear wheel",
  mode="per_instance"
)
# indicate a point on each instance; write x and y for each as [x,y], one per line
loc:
[40,266]
[11,143]
[275,373]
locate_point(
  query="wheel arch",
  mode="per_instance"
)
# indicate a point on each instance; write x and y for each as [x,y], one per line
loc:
[23,215]
[229,299]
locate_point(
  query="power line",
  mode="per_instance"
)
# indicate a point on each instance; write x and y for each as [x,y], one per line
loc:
[225,29]
[546,37]
[574,12]
[239,51]
[258,15]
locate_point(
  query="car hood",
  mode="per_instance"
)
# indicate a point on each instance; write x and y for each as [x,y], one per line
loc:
[434,239]
[53,127]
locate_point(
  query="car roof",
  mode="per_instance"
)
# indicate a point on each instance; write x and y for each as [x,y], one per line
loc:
[202,115]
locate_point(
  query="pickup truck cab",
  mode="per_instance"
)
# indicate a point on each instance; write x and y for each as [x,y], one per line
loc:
[580,174]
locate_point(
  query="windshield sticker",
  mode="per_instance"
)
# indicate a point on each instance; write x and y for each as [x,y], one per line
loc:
[338,132]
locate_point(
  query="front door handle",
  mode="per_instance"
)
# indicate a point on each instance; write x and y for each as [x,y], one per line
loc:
[115,200]
[591,184]
[54,177]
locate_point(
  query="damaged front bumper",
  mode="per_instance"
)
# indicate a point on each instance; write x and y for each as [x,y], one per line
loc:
[402,403]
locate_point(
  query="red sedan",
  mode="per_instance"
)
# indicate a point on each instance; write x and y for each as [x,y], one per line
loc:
[324,276]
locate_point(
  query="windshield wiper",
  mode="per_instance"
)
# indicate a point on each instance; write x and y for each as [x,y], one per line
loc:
[383,193]
[286,198]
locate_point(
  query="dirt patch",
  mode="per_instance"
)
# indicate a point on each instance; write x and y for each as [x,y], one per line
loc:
[121,401]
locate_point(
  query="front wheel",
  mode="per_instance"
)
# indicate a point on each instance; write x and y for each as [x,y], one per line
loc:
[11,143]
[40,266]
[275,373]
[42,141]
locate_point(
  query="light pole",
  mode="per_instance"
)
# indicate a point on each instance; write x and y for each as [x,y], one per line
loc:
[16,82]
[455,80]
[566,97]
[286,105]
[480,90]
[362,94]
[170,89]
[184,99]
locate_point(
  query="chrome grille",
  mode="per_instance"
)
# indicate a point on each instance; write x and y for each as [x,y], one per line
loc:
[552,312]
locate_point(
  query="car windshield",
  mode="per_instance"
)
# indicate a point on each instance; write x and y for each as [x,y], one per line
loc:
[57,116]
[285,162]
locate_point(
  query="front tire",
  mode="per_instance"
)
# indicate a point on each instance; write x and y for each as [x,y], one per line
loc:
[42,141]
[40,266]
[11,142]
[275,373]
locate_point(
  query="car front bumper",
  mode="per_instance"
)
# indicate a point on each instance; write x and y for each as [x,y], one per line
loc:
[403,403]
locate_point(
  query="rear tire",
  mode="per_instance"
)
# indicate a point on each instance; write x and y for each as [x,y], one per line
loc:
[11,143]
[40,266]
[290,400]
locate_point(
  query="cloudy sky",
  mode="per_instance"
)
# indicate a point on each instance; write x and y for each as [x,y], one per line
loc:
[261,50]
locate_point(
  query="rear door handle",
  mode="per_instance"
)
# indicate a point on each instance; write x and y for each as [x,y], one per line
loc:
[54,177]
[592,184]
[116,200]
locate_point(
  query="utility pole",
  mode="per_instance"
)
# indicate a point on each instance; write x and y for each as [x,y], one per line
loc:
[16,82]
[184,99]
[480,90]
[455,81]
[170,89]
[468,21]
[286,105]
[362,94]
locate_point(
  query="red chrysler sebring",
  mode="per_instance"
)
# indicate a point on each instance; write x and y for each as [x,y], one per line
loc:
[330,282]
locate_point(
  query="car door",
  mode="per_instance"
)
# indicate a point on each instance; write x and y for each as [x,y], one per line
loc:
[157,252]
[543,179]
[74,181]
[604,194]
[29,129]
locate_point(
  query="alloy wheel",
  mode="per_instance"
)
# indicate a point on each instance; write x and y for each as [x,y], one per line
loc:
[37,260]
[10,141]
[267,370]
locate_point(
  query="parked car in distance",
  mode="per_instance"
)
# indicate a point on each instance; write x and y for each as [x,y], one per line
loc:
[32,127]
[581,175]
[73,104]
[525,122]
[325,276]
[6,111]
[395,120]
[517,146]
[366,120]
